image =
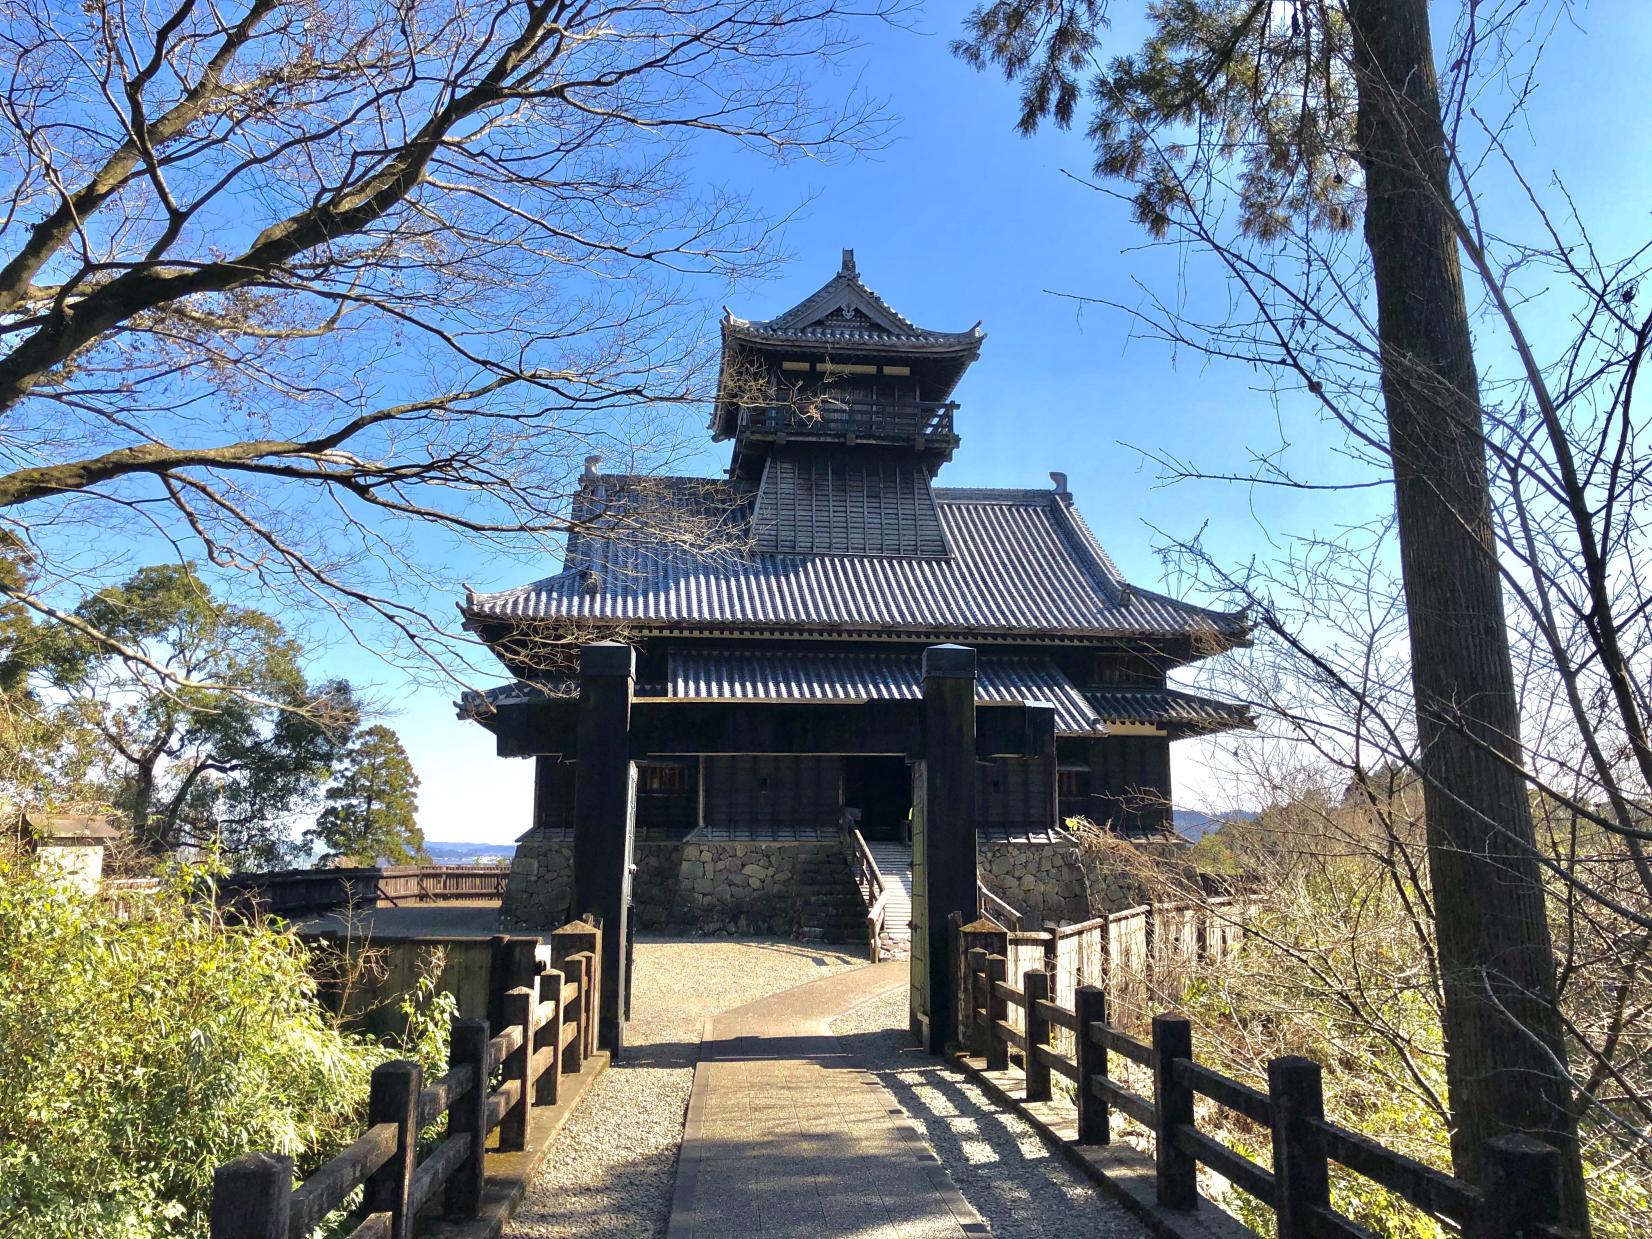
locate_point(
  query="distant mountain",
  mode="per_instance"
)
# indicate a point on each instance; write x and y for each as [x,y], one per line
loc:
[1193,825]
[468,853]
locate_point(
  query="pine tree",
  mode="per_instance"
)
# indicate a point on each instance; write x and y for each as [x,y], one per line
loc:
[372,805]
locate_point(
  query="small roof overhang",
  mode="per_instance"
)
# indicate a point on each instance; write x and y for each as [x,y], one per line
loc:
[819,675]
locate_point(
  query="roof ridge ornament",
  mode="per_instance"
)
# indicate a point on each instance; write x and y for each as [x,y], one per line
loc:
[848,267]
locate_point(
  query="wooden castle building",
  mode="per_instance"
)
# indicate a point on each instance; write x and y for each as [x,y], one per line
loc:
[838,560]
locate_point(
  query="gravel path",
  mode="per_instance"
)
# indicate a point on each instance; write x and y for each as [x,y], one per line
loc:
[1002,1166]
[612,1170]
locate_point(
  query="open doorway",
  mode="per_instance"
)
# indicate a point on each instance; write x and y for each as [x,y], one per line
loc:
[881,788]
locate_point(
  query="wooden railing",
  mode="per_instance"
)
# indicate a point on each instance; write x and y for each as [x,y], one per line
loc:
[871,419]
[547,1030]
[988,904]
[874,891]
[294,893]
[1517,1200]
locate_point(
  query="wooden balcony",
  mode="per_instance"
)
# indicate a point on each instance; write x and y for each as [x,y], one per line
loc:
[923,422]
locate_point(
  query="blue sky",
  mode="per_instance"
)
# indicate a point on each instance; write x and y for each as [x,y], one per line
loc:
[958,218]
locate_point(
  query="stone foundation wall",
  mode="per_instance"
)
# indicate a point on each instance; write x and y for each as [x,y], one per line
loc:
[797,890]
[1045,882]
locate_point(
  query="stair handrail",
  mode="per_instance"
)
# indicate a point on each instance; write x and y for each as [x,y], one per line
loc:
[869,881]
[986,902]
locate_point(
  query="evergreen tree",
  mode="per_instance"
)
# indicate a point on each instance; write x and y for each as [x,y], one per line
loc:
[372,805]
[1306,118]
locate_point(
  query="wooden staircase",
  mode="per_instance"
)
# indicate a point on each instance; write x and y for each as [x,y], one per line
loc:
[894,861]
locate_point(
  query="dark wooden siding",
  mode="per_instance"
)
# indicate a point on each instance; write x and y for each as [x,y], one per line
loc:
[668,797]
[553,793]
[1016,793]
[1130,783]
[760,793]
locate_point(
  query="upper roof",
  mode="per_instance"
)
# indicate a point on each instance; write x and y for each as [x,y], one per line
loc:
[1022,565]
[844,319]
[844,311]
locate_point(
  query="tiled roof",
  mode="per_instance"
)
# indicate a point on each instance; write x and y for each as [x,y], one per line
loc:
[813,675]
[1167,707]
[845,311]
[1022,564]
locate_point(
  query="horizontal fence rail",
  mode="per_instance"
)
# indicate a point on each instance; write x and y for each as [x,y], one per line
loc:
[545,1012]
[1016,1014]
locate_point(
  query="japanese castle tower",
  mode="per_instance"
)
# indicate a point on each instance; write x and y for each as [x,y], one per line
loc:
[843,561]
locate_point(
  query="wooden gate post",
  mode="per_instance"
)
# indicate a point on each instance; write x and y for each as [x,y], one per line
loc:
[393,1097]
[550,1084]
[518,1070]
[998,1011]
[252,1197]
[467,1115]
[604,820]
[1519,1188]
[1177,1173]
[944,857]
[1090,1004]
[1297,1093]
[1035,989]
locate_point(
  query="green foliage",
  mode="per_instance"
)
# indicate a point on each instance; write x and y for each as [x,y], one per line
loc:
[1258,86]
[372,805]
[141,1054]
[226,757]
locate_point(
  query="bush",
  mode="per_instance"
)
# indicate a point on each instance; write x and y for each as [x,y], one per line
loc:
[140,1054]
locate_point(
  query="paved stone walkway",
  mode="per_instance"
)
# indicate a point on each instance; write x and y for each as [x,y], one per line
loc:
[786,1138]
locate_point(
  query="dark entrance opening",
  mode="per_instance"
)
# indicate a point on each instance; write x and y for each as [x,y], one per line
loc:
[881,788]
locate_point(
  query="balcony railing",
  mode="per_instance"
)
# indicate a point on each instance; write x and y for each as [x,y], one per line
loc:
[897,420]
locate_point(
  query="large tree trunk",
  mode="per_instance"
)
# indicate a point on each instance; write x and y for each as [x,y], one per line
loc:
[1505,1052]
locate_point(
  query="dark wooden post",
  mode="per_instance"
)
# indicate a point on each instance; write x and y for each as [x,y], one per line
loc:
[1173,1105]
[949,819]
[1051,948]
[1036,988]
[976,966]
[604,819]
[393,1097]
[998,1010]
[1519,1188]
[1296,1089]
[499,983]
[467,1115]
[1090,1004]
[960,978]
[550,1084]
[252,1197]
[572,970]
[513,1127]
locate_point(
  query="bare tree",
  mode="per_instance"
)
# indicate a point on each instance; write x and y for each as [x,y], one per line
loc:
[322,292]
[1264,133]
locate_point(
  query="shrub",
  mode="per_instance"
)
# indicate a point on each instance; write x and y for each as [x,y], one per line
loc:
[139,1054]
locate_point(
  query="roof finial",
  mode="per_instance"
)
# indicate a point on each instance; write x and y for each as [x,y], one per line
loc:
[848,267]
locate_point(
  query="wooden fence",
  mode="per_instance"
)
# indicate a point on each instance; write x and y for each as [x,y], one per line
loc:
[295,893]
[1518,1198]
[545,1010]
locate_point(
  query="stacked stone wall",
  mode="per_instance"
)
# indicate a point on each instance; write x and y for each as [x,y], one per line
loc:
[721,887]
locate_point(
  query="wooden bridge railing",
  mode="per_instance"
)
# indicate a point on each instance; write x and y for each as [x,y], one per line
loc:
[547,1029]
[1518,1199]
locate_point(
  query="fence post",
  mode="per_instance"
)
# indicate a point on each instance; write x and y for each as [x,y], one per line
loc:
[571,974]
[1090,1003]
[513,1127]
[467,1115]
[393,1097]
[1296,1090]
[975,1028]
[252,1197]
[1519,1188]
[1177,1173]
[961,993]
[1036,987]
[998,1050]
[550,1084]
[498,980]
